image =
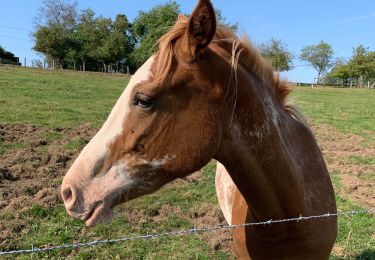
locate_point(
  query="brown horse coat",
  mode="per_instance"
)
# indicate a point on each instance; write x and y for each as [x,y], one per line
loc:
[207,94]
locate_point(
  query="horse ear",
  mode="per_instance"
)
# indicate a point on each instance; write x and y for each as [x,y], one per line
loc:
[201,29]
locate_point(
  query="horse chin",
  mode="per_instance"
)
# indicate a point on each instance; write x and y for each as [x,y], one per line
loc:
[103,210]
[100,215]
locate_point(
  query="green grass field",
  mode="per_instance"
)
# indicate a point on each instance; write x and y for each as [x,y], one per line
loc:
[69,99]
[55,98]
[348,110]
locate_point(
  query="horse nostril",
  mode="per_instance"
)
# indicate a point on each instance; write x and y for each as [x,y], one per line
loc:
[72,198]
[67,194]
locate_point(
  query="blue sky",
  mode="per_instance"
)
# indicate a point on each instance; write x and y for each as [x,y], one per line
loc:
[342,23]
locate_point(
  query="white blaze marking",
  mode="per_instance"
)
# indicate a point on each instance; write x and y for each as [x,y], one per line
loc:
[113,126]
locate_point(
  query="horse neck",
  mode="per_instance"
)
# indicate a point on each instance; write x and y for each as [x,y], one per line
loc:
[258,151]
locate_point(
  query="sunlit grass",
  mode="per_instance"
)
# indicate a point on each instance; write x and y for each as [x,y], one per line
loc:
[348,110]
[68,99]
[52,226]
[57,98]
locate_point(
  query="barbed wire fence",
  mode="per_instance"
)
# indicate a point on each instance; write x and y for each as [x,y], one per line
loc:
[192,231]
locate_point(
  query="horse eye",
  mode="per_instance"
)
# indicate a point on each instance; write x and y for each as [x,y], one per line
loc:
[143,101]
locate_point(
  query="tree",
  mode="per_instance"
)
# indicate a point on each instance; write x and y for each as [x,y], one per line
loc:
[361,65]
[102,33]
[86,37]
[277,53]
[148,27]
[319,56]
[55,25]
[340,70]
[67,38]
[56,13]
[54,43]
[120,44]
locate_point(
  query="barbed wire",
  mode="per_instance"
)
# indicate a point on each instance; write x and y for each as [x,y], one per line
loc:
[183,232]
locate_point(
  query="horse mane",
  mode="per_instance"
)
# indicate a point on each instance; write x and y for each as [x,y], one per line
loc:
[242,51]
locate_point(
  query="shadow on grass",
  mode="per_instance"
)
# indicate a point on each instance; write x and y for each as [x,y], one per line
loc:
[366,255]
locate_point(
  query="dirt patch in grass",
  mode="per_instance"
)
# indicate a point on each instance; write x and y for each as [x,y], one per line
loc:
[32,174]
[32,170]
[209,216]
[347,156]
[205,216]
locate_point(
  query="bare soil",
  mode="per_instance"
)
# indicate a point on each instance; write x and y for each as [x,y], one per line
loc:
[31,173]
[340,151]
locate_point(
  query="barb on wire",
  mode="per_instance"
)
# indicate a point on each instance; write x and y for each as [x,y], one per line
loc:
[183,232]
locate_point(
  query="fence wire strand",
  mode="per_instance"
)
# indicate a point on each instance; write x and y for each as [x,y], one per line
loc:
[183,232]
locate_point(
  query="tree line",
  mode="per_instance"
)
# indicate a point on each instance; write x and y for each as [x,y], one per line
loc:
[360,66]
[74,39]
[69,38]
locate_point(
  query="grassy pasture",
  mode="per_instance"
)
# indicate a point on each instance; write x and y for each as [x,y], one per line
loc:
[55,98]
[348,110]
[69,99]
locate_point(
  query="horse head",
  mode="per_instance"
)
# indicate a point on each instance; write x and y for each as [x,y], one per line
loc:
[165,125]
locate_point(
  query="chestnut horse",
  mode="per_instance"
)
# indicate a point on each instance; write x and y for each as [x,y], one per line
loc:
[208,94]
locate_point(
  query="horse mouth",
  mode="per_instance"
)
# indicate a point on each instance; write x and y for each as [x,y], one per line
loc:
[98,214]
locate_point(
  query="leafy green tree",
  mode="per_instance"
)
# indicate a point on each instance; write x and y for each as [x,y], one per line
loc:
[55,24]
[54,42]
[319,56]
[67,37]
[278,54]
[340,70]
[119,44]
[361,65]
[86,37]
[102,34]
[122,29]
[148,27]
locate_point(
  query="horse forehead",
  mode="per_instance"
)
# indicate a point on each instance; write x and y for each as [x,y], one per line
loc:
[121,109]
[143,73]
[113,126]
